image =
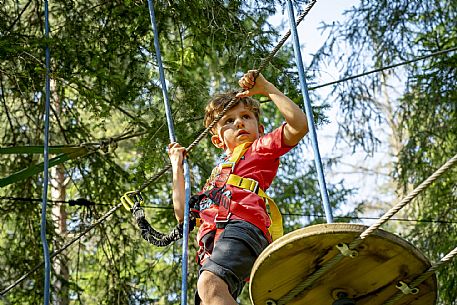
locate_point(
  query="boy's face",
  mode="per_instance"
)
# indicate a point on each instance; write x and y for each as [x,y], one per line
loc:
[239,125]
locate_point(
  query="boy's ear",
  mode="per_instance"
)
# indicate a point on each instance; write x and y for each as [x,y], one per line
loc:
[261,130]
[217,141]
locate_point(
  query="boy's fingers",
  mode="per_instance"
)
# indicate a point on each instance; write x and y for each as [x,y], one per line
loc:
[174,145]
[253,74]
[250,78]
[243,93]
[246,83]
[177,148]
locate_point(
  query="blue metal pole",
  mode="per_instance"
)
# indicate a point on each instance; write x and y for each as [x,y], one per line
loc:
[47,258]
[309,113]
[171,132]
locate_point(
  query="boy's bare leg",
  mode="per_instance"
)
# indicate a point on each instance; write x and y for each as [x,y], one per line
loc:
[213,290]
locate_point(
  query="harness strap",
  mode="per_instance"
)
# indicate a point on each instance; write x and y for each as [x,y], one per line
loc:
[239,151]
[226,168]
[276,229]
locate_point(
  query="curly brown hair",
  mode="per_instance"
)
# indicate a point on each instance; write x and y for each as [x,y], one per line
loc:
[219,101]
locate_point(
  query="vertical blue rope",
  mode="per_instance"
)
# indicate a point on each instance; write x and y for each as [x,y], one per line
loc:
[47,258]
[171,132]
[309,114]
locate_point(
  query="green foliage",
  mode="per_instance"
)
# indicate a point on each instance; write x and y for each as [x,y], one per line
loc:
[430,121]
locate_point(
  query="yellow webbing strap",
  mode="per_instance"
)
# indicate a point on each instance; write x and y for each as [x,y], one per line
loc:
[239,151]
[276,228]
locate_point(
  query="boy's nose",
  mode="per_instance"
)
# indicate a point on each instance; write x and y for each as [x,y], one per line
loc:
[239,123]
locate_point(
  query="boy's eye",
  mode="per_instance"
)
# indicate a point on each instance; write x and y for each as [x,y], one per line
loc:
[229,121]
[246,116]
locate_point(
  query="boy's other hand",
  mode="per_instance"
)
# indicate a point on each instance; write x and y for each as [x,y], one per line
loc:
[176,153]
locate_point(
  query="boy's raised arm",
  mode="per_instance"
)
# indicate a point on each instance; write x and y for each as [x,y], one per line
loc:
[176,153]
[297,124]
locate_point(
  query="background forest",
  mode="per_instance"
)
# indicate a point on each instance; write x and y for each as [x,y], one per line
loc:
[109,135]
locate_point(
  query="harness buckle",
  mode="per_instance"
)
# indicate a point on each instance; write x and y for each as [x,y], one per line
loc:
[228,164]
[254,187]
[221,223]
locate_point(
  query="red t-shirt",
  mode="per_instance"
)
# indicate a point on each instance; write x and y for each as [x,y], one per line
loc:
[260,162]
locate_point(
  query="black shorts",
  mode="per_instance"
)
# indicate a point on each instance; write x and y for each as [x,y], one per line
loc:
[234,254]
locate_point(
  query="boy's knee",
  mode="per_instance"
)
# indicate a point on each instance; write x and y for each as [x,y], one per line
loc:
[210,285]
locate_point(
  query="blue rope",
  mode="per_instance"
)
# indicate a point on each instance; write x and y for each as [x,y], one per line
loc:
[171,130]
[309,114]
[186,165]
[47,258]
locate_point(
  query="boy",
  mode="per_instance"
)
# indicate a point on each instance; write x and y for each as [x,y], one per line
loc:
[234,229]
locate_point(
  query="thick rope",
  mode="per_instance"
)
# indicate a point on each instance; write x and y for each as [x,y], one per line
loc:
[446,259]
[451,162]
[334,260]
[270,56]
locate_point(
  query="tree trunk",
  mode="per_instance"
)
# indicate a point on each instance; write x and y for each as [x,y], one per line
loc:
[59,217]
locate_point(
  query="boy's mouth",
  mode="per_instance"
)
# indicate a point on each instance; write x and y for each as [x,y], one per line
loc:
[242,132]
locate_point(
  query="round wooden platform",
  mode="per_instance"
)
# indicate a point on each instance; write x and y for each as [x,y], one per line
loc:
[370,278]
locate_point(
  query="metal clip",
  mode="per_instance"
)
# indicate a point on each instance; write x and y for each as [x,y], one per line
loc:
[221,223]
[406,289]
[129,199]
[344,249]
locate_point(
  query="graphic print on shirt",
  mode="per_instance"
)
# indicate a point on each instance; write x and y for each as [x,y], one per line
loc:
[216,196]
[215,190]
